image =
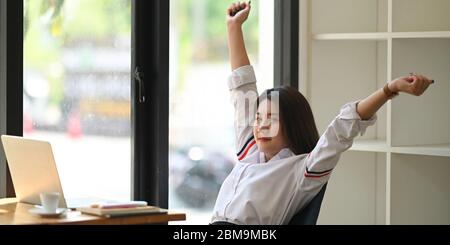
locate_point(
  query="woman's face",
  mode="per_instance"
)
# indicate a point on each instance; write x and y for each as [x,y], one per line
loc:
[267,129]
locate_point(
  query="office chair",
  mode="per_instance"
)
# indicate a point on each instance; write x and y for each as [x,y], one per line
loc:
[309,214]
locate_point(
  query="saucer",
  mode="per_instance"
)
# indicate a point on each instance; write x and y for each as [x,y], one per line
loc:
[43,213]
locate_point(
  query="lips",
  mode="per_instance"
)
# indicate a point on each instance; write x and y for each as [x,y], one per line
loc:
[264,139]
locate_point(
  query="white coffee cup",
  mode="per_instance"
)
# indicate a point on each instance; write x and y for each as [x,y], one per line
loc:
[50,201]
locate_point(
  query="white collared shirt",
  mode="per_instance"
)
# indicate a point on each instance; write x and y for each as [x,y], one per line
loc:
[272,192]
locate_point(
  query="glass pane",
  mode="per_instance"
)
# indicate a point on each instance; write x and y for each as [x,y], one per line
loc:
[77,62]
[202,151]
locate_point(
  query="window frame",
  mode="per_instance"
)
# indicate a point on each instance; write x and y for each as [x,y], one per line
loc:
[286,50]
[150,127]
[11,81]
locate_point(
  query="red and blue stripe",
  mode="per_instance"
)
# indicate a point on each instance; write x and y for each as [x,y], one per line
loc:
[316,174]
[247,146]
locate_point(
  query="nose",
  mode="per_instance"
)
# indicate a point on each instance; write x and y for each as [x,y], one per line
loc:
[264,125]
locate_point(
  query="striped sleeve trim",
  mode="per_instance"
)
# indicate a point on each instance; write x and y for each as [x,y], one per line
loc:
[245,145]
[248,145]
[315,174]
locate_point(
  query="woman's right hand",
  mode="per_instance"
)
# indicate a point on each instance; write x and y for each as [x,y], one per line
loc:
[238,13]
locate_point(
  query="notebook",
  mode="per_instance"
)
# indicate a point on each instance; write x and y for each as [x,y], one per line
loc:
[114,212]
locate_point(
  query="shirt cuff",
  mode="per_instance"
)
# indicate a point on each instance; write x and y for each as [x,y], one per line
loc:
[241,76]
[348,112]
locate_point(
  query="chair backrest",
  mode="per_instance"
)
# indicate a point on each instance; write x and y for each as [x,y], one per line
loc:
[309,214]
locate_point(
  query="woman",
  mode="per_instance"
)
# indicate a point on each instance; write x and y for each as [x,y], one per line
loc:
[283,163]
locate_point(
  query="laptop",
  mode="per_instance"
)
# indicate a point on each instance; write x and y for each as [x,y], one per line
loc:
[33,171]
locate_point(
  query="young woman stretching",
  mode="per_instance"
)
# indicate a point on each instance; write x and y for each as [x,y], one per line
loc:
[283,163]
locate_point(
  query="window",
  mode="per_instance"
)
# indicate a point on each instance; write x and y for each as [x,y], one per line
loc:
[76,93]
[201,134]
[76,67]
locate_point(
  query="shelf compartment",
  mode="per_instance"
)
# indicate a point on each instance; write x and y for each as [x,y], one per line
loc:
[420,189]
[422,120]
[331,16]
[420,15]
[354,194]
[335,80]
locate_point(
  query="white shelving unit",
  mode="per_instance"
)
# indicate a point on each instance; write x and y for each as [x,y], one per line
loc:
[397,173]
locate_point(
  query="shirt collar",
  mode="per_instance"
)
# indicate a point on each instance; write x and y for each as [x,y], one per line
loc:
[284,153]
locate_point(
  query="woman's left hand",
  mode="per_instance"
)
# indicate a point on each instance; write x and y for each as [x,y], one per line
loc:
[414,84]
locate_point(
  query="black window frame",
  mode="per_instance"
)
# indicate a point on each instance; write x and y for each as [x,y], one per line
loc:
[11,67]
[150,56]
[150,127]
[286,43]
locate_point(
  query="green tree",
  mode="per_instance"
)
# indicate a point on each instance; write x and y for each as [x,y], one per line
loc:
[51,25]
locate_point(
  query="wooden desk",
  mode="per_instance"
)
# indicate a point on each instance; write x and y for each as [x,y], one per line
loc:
[14,213]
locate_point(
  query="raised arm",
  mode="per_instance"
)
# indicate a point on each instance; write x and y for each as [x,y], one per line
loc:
[242,82]
[237,14]
[413,84]
[352,120]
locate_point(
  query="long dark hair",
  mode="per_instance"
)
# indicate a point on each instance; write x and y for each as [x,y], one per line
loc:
[296,118]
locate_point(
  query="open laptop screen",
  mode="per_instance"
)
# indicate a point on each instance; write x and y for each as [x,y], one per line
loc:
[32,167]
